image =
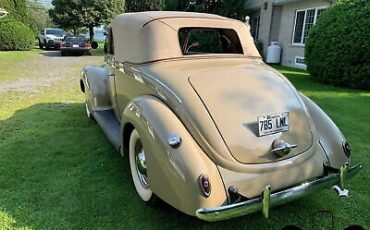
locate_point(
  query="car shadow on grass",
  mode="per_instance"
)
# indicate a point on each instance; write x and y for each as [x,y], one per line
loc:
[58,170]
[57,53]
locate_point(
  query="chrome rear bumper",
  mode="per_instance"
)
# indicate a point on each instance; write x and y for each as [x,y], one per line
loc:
[275,199]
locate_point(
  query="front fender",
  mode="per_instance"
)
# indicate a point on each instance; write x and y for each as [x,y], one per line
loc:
[172,172]
[94,83]
[330,137]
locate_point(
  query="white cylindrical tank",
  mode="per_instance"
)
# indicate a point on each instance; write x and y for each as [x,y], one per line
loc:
[273,53]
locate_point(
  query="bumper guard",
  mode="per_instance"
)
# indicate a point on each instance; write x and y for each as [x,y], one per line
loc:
[267,200]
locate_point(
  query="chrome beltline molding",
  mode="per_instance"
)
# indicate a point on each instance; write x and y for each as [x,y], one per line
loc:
[278,198]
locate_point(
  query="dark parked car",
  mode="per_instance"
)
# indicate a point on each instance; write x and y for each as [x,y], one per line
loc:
[77,44]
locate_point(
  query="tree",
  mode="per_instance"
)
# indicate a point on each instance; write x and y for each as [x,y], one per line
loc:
[30,13]
[74,14]
[228,8]
[17,9]
[38,16]
[143,5]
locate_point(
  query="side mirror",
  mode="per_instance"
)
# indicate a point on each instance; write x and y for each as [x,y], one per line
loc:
[94,45]
[105,34]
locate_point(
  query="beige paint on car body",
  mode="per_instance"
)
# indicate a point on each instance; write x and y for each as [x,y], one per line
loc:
[211,101]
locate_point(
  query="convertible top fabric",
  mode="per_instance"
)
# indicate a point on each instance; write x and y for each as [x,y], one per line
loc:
[151,36]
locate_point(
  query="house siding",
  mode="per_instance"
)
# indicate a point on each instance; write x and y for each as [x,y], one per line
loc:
[277,18]
[286,29]
[275,23]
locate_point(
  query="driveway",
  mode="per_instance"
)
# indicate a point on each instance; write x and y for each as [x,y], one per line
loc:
[42,69]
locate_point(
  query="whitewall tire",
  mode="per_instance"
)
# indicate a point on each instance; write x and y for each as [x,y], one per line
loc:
[138,167]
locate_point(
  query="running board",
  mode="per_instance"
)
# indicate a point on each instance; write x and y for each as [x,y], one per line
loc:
[110,125]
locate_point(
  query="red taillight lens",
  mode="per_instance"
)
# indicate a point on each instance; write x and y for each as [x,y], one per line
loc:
[63,44]
[205,185]
[346,149]
[87,45]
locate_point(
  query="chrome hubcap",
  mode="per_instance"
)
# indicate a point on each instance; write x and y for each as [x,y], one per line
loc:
[141,164]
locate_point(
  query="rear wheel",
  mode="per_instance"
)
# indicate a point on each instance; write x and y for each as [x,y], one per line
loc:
[138,168]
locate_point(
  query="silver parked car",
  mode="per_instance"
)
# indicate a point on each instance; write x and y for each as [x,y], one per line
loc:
[50,37]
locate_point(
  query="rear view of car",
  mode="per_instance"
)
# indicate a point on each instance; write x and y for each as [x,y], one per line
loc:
[75,44]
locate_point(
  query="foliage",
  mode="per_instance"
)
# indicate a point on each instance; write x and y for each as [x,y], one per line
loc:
[143,5]
[84,13]
[228,8]
[38,16]
[31,13]
[338,46]
[15,35]
[17,9]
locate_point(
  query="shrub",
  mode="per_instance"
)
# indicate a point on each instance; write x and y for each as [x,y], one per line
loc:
[15,35]
[338,47]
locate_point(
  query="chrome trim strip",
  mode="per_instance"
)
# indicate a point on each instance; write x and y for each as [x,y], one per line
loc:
[278,198]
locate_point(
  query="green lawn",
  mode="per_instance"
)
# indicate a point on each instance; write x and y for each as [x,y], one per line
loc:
[58,171]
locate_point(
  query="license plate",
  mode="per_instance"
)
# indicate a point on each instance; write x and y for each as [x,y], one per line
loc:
[270,124]
[75,45]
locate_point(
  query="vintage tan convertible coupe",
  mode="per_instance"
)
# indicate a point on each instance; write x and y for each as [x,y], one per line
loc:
[208,127]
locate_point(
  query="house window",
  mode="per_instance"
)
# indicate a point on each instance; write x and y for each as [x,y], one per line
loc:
[304,20]
[255,22]
[299,61]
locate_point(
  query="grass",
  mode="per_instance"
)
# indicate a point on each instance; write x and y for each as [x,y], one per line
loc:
[58,171]
[15,58]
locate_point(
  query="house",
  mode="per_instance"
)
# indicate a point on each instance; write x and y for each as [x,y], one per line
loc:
[286,21]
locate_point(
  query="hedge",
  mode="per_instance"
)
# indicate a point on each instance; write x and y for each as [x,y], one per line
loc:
[14,35]
[337,51]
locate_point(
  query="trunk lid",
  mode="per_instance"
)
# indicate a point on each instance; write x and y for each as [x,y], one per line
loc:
[236,96]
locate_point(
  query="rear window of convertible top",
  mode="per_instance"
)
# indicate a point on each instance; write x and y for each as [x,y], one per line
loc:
[209,41]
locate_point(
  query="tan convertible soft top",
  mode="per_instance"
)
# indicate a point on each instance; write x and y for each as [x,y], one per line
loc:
[150,36]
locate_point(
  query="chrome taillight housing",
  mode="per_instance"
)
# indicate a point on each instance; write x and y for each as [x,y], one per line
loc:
[205,185]
[346,149]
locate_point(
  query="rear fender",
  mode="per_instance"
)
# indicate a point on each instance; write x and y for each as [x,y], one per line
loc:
[330,137]
[173,173]
[94,83]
